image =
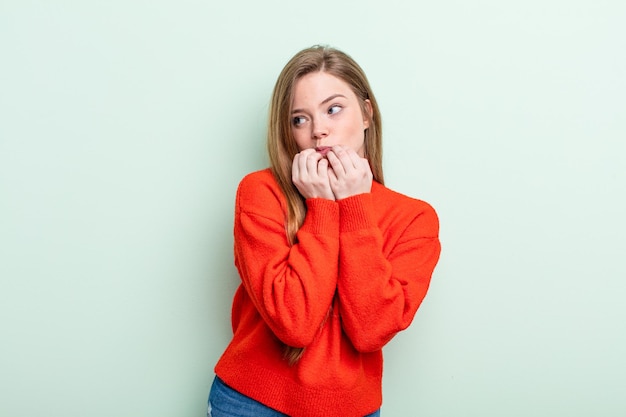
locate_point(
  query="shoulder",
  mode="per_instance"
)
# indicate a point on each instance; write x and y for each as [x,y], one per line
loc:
[263,178]
[258,191]
[405,211]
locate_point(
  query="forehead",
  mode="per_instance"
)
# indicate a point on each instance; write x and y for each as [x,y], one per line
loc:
[315,87]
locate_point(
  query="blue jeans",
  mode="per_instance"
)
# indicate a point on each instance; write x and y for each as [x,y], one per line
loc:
[226,402]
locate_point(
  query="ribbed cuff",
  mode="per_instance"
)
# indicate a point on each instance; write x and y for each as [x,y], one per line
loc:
[356,213]
[322,216]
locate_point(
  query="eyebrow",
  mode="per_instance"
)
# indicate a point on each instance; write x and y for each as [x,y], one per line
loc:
[334,96]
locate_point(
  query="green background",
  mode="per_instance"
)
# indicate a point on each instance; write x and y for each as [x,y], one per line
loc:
[125,127]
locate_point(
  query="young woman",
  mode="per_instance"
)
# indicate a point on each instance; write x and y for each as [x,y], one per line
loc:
[333,264]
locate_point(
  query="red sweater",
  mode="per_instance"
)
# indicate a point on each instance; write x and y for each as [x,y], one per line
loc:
[370,256]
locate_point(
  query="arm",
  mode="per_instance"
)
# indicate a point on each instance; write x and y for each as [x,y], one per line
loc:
[291,287]
[381,284]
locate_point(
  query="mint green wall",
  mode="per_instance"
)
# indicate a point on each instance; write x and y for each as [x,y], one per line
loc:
[126,125]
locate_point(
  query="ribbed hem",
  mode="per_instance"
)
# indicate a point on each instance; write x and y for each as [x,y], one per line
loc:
[356,213]
[280,392]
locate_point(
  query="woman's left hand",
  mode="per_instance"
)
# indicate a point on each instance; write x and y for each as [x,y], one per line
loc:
[350,174]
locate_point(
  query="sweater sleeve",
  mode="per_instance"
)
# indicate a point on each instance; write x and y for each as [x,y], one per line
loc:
[381,284]
[291,286]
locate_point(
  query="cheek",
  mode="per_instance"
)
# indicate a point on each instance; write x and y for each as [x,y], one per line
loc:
[357,127]
[300,138]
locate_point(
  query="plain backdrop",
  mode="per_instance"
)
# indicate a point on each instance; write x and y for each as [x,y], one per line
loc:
[125,127]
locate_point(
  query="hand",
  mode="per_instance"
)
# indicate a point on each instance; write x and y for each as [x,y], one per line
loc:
[349,174]
[309,173]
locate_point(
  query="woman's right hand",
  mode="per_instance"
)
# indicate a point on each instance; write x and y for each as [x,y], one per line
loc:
[309,173]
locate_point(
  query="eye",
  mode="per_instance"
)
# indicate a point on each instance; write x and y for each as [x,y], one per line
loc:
[334,109]
[298,120]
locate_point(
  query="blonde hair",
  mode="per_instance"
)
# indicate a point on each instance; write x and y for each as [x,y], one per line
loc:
[282,147]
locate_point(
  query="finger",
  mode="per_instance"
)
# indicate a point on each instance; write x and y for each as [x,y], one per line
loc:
[303,163]
[312,161]
[335,162]
[298,166]
[322,168]
[355,158]
[295,168]
[330,172]
[365,164]
[346,156]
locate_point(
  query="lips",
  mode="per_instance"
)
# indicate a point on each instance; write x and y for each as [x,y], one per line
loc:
[323,149]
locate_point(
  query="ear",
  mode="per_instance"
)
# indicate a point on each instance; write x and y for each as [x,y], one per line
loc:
[367,105]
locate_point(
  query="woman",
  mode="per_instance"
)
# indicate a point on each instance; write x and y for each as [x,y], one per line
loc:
[332,263]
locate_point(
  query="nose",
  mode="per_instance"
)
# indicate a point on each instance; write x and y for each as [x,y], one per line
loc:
[320,130]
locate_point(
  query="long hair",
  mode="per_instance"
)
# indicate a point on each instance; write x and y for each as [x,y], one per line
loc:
[281,145]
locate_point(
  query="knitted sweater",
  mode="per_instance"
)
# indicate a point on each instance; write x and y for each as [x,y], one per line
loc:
[369,256]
